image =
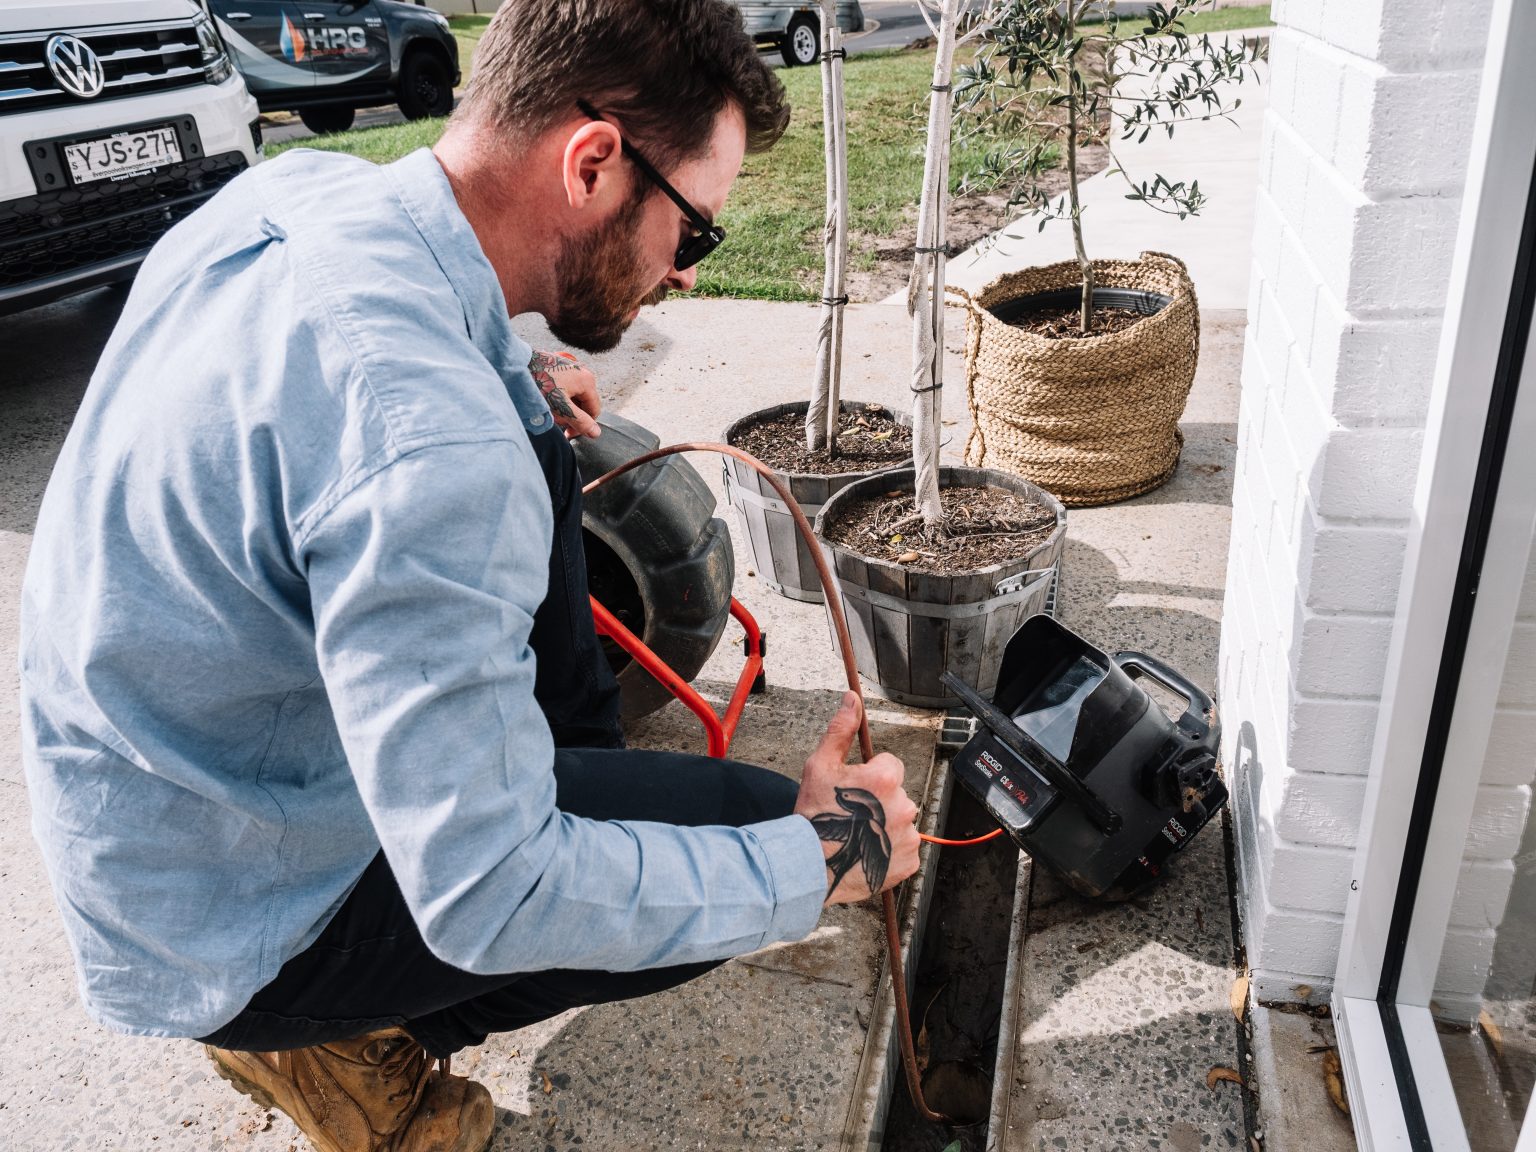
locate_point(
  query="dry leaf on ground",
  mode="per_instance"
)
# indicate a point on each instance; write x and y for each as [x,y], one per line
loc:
[549,1085]
[1333,1078]
[1221,1072]
[1240,997]
[1492,1031]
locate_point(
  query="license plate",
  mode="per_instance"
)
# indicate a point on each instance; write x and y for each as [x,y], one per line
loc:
[123,154]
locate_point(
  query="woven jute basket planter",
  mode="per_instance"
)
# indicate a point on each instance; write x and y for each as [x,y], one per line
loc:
[1094,420]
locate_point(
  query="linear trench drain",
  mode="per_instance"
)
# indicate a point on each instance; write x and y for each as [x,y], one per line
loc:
[961,981]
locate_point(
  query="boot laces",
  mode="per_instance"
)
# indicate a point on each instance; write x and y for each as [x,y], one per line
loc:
[395,1063]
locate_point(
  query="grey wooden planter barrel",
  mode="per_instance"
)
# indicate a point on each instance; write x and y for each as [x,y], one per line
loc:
[781,559]
[909,627]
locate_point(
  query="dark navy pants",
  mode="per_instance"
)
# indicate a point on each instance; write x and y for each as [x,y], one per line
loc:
[370,968]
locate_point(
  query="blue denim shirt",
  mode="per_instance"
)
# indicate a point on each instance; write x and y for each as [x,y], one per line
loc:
[276,616]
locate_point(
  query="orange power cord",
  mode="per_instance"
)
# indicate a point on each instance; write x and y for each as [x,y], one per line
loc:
[866,744]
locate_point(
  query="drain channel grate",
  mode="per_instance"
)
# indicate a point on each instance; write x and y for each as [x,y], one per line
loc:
[956,730]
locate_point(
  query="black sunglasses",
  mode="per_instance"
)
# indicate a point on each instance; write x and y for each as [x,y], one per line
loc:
[707,236]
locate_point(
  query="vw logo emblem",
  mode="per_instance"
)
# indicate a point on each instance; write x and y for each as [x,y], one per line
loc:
[74,66]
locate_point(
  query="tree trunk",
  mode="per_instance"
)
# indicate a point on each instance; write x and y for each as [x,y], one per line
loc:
[1085,311]
[821,417]
[925,294]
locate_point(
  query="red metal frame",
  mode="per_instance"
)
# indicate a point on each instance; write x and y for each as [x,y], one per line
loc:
[717,731]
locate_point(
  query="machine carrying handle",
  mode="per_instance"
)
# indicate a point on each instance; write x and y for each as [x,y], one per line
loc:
[1201,713]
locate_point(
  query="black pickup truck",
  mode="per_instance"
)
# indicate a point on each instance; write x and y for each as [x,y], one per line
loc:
[324,59]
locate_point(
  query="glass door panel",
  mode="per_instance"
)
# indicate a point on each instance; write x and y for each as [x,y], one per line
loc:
[1483,1005]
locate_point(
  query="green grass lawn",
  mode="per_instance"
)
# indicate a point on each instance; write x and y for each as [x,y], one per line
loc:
[1228,20]
[467,30]
[1221,20]
[775,212]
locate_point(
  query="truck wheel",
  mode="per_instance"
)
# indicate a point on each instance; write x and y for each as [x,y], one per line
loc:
[802,41]
[426,87]
[657,558]
[324,121]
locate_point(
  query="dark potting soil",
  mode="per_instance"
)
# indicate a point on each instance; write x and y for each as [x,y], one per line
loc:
[1066,323]
[982,527]
[870,439]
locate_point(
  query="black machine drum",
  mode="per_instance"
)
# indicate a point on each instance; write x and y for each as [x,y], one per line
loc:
[1082,767]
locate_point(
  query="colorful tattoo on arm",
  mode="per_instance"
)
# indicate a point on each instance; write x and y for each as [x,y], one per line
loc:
[543,366]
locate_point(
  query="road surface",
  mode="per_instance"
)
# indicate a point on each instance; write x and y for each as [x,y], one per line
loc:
[892,23]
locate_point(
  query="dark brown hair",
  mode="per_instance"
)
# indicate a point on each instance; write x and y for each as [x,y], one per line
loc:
[663,69]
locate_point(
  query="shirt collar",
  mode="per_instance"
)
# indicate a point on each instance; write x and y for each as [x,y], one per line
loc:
[424,191]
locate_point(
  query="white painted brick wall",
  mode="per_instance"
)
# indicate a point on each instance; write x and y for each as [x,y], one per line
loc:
[1368,474]
[1511,748]
[1352,569]
[1320,810]
[1482,892]
[1361,171]
[1464,966]
[1519,687]
[1331,735]
[1377,371]
[1323,872]
[1341,656]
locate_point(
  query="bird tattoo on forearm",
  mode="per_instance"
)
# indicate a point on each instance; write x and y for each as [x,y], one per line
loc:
[861,832]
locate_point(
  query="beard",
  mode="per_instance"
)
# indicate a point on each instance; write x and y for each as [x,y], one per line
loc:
[600,283]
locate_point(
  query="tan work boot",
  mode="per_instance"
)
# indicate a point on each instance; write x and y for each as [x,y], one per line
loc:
[374,1093]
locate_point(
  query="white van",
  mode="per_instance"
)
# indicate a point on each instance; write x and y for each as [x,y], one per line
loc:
[117,119]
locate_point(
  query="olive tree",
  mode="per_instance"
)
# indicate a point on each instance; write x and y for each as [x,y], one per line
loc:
[1053,76]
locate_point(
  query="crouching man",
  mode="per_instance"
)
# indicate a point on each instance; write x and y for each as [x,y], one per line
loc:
[322,751]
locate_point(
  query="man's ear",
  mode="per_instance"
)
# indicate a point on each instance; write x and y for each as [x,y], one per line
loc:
[591,167]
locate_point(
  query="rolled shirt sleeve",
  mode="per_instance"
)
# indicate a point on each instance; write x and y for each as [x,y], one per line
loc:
[424,578]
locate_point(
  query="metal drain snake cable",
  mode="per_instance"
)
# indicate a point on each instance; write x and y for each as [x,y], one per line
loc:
[866,744]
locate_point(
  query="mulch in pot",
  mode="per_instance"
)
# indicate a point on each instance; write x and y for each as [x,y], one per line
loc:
[1065,323]
[870,439]
[983,527]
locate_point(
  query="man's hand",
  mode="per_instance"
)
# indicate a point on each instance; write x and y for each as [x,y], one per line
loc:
[570,390]
[867,823]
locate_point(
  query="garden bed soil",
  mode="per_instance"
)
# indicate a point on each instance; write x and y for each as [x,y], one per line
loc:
[973,216]
[870,439]
[1064,323]
[982,527]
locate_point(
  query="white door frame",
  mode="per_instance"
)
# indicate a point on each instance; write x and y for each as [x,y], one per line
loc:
[1437,699]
